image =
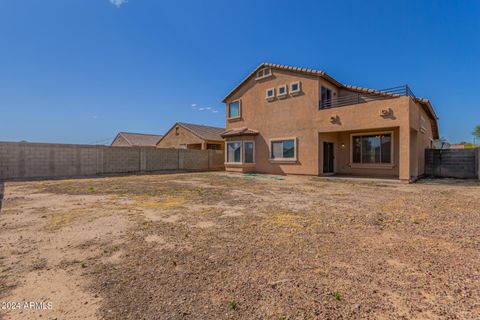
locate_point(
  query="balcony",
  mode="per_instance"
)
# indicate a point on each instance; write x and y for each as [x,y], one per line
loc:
[366,95]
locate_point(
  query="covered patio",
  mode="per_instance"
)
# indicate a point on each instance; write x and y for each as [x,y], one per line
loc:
[365,153]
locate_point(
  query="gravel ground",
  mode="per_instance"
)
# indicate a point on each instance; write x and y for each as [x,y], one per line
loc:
[230,246]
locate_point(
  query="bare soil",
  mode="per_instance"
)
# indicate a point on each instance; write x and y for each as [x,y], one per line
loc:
[231,246]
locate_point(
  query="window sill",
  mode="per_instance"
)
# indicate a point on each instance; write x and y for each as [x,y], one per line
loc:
[270,99]
[290,161]
[238,164]
[372,166]
[283,96]
[234,119]
[296,93]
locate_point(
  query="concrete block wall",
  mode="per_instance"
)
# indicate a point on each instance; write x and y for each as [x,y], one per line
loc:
[166,159]
[193,159]
[42,160]
[216,159]
[452,163]
[121,160]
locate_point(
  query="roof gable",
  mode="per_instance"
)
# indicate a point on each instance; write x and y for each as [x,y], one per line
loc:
[140,139]
[306,71]
[202,131]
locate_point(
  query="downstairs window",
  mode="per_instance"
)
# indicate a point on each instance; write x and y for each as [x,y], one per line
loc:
[234,152]
[283,149]
[372,149]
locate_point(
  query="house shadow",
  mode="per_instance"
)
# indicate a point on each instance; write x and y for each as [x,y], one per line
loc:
[450,182]
[2,191]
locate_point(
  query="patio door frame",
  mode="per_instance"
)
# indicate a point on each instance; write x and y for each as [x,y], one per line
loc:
[328,147]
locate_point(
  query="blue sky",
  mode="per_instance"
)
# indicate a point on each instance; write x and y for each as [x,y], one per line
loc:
[78,71]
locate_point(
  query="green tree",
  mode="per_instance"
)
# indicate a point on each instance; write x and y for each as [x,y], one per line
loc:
[476,132]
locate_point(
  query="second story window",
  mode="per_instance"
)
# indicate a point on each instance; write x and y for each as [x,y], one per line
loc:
[282,91]
[295,88]
[263,73]
[234,110]
[326,97]
[423,124]
[270,94]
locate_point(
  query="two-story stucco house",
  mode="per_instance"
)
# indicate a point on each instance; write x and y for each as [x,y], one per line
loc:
[288,120]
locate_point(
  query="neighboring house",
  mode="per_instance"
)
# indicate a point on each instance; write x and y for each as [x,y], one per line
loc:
[283,120]
[128,139]
[192,136]
[457,146]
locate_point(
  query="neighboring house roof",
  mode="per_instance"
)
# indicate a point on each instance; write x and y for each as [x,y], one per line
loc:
[201,131]
[139,139]
[322,74]
[239,132]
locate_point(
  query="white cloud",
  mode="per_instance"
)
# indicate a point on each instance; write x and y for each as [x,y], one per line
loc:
[204,109]
[118,3]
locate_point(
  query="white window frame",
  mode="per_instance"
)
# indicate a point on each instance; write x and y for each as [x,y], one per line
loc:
[261,73]
[295,151]
[241,151]
[373,165]
[239,110]
[282,95]
[295,92]
[422,124]
[270,97]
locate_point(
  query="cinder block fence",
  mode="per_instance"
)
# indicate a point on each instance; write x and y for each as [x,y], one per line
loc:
[453,163]
[20,160]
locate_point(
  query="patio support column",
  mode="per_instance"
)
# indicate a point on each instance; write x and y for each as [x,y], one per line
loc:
[404,156]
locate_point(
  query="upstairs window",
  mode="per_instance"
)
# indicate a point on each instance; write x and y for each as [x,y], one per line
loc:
[295,88]
[234,110]
[423,124]
[270,94]
[263,73]
[282,91]
[326,97]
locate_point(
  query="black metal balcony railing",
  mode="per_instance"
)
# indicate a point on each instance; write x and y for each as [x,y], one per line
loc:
[367,95]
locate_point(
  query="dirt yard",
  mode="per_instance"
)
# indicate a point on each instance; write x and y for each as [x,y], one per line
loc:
[227,246]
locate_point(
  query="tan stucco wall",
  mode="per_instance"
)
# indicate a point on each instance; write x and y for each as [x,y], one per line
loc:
[184,136]
[300,117]
[424,139]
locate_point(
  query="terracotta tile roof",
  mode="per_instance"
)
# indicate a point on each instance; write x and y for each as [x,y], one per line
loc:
[204,132]
[140,139]
[239,132]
